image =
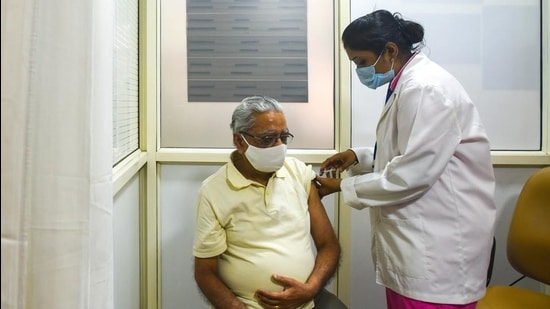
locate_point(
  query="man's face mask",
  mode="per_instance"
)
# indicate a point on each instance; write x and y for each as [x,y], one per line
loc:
[265,159]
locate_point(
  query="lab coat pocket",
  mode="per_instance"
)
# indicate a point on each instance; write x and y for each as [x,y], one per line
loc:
[403,246]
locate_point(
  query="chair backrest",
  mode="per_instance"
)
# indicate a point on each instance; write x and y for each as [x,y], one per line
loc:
[528,246]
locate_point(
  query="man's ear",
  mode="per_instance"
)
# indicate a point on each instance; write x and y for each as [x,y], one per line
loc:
[239,143]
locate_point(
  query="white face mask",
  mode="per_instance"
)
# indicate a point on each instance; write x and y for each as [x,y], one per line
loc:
[265,159]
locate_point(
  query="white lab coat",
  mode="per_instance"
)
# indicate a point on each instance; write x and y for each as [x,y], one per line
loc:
[430,190]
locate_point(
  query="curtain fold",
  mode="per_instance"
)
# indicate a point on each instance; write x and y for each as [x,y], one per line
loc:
[56,139]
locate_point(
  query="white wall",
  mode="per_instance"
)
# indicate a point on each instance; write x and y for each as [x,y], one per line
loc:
[178,189]
[126,246]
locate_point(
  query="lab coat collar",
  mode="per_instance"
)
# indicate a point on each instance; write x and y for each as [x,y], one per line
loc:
[396,86]
[403,75]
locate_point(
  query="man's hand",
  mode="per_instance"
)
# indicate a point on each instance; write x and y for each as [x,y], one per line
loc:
[293,295]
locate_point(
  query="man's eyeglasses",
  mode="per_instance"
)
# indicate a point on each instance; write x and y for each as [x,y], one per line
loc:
[269,140]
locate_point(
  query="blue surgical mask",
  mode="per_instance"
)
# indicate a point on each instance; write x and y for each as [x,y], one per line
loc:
[373,80]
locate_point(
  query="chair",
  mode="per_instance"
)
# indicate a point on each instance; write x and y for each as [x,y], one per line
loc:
[528,247]
[327,300]
[491,262]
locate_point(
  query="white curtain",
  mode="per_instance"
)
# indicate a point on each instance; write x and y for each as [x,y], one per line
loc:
[56,154]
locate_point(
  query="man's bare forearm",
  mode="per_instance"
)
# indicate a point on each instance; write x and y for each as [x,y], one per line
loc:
[326,264]
[217,293]
[212,286]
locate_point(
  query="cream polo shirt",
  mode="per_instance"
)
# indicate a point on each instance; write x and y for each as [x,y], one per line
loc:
[256,230]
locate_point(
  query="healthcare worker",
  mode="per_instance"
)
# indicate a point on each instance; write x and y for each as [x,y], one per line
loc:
[428,182]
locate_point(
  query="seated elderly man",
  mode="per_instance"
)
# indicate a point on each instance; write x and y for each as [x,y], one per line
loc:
[258,218]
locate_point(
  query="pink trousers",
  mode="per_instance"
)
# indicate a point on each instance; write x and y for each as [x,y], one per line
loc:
[397,301]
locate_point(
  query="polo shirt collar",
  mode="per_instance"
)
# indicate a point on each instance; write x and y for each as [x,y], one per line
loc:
[237,180]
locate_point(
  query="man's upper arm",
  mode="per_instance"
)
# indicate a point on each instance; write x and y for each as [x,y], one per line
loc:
[321,227]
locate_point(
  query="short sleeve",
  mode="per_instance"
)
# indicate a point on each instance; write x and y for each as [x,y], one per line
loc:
[210,238]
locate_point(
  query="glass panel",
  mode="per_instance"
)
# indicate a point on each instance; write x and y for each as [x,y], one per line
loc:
[125,79]
[237,50]
[233,49]
[498,62]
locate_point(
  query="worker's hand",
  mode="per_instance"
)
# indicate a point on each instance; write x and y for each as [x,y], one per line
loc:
[337,163]
[293,295]
[327,185]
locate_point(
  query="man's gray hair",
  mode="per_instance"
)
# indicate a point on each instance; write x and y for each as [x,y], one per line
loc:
[243,116]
